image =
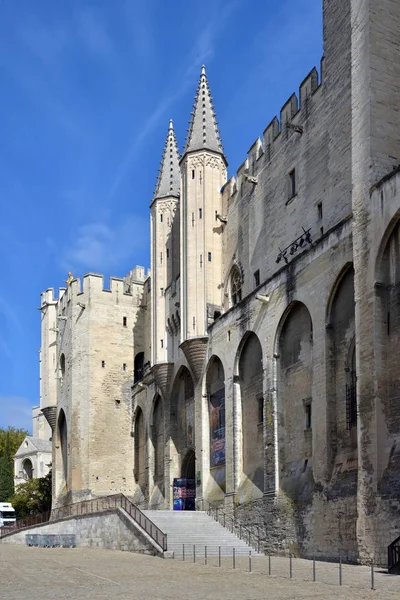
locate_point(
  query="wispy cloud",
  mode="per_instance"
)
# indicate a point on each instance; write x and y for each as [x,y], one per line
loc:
[98,246]
[203,50]
[15,411]
[95,37]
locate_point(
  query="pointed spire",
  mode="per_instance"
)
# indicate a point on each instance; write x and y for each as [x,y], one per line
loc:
[168,180]
[203,128]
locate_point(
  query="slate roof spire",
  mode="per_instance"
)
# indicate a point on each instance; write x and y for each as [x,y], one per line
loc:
[168,180]
[203,127]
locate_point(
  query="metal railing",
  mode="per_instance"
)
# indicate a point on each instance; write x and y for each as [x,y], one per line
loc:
[250,532]
[394,554]
[87,507]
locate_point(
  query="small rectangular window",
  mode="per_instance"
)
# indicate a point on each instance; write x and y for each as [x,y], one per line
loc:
[124,321]
[103,364]
[192,173]
[209,257]
[307,408]
[124,367]
[167,252]
[161,257]
[257,278]
[162,343]
[192,219]
[261,410]
[320,213]
[201,261]
[200,213]
[161,217]
[292,183]
[161,291]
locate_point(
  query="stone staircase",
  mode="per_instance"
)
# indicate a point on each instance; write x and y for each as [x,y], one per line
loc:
[194,531]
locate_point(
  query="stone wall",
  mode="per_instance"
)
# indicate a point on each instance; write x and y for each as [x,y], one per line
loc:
[112,530]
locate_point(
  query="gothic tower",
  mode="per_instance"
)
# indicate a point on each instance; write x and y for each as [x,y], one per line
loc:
[164,243]
[203,173]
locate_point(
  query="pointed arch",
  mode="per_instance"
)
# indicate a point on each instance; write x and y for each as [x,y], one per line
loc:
[294,356]
[158,438]
[139,448]
[249,375]
[63,439]
[215,385]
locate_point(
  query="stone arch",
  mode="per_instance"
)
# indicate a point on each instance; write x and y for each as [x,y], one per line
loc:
[27,468]
[182,419]
[293,352]
[158,444]
[249,377]
[341,370]
[140,449]
[388,325]
[63,445]
[235,285]
[188,469]
[215,386]
[62,368]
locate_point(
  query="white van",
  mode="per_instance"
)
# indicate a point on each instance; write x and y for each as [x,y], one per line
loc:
[7,515]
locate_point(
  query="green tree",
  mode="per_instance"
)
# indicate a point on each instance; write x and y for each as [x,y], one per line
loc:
[13,437]
[6,470]
[32,497]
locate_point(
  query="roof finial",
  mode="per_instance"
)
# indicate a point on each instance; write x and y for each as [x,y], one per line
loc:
[203,128]
[168,180]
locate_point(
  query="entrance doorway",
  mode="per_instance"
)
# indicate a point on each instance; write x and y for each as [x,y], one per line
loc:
[189,465]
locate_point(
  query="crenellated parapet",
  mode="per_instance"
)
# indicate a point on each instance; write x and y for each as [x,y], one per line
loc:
[292,116]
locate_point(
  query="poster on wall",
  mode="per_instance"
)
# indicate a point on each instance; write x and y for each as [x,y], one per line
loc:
[190,423]
[217,428]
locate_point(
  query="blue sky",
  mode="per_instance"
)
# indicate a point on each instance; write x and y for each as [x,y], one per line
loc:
[88,88]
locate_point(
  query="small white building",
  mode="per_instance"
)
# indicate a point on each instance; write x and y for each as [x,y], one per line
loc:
[32,460]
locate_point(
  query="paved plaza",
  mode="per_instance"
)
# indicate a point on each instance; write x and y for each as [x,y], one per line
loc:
[46,574]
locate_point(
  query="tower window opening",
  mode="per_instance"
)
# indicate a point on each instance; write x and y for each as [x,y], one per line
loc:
[167,252]
[292,183]
[260,410]
[124,367]
[161,257]
[161,218]
[307,410]
[124,321]
[161,343]
[320,212]
[257,278]
[103,364]
[193,219]
[200,213]
[201,261]
[209,257]
[193,173]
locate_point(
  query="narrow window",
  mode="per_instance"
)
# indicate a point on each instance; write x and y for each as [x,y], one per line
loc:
[124,321]
[167,252]
[161,291]
[200,213]
[292,183]
[161,257]
[201,261]
[257,278]
[194,322]
[319,208]
[161,218]
[192,219]
[229,336]
[260,410]
[103,364]
[192,173]
[209,257]
[162,343]
[307,409]
[124,367]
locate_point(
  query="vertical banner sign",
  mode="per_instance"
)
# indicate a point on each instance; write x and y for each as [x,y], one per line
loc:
[217,428]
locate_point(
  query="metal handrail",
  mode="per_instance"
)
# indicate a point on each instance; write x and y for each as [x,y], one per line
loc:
[250,532]
[85,507]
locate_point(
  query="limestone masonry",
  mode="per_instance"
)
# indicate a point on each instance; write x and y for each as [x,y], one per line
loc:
[261,355]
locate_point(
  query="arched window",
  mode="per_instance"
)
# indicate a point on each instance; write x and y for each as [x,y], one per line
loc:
[62,368]
[236,286]
[138,367]
[27,469]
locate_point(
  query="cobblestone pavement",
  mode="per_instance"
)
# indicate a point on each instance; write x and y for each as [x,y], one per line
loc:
[44,574]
